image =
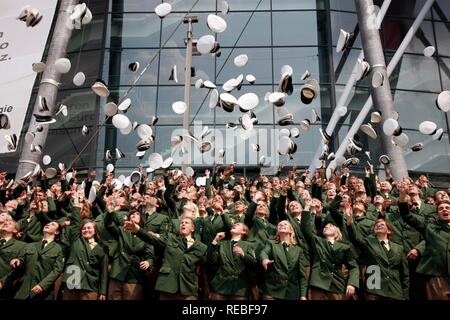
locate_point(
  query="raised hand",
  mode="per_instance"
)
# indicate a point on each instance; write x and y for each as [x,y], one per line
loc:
[266,263]
[14,263]
[238,250]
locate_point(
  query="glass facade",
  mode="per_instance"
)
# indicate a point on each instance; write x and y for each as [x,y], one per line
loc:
[272,33]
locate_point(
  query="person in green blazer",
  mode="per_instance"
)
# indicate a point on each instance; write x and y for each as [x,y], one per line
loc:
[154,221]
[86,273]
[285,274]
[9,249]
[426,189]
[213,223]
[42,262]
[235,258]
[384,255]
[329,254]
[177,278]
[132,259]
[435,262]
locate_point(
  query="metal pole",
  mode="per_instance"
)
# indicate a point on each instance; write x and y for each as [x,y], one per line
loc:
[343,99]
[392,65]
[48,88]
[187,83]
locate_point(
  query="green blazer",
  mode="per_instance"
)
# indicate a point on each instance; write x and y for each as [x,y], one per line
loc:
[41,267]
[10,250]
[92,264]
[435,260]
[156,222]
[285,278]
[428,192]
[109,240]
[130,252]
[232,275]
[178,271]
[32,230]
[326,271]
[282,215]
[260,230]
[404,235]
[394,271]
[211,225]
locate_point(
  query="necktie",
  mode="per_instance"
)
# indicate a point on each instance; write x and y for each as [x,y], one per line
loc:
[214,217]
[44,242]
[383,245]
[2,242]
[285,246]
[189,242]
[92,244]
[233,243]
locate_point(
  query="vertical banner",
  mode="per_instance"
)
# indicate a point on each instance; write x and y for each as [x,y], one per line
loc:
[20,47]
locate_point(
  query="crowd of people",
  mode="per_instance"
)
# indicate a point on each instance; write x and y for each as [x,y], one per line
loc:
[224,237]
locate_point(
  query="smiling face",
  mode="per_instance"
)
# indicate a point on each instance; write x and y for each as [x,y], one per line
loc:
[381,228]
[295,208]
[88,230]
[187,227]
[443,211]
[284,227]
[330,230]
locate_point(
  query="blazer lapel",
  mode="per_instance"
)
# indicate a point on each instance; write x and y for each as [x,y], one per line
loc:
[7,244]
[228,251]
[378,249]
[282,254]
[46,248]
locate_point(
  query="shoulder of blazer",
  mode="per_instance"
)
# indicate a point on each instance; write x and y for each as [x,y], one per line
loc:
[396,246]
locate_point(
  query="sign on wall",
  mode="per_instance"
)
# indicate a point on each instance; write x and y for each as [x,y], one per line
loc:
[20,47]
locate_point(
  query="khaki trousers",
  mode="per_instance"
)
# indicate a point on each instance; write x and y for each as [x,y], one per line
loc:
[438,288]
[174,296]
[216,296]
[319,294]
[119,290]
[76,294]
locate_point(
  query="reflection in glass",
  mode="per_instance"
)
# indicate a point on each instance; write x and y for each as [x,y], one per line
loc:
[133,30]
[287,28]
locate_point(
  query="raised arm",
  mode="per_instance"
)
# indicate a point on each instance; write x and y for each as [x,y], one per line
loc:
[414,220]
[157,240]
[354,232]
[109,221]
[307,224]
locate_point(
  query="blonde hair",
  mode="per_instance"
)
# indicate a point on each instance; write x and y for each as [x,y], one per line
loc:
[338,236]
[292,238]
